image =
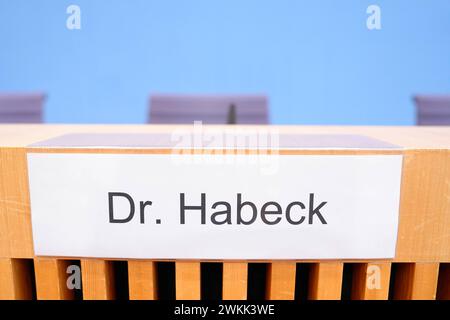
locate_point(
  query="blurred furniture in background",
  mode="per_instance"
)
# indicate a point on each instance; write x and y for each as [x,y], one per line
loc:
[21,107]
[209,109]
[432,110]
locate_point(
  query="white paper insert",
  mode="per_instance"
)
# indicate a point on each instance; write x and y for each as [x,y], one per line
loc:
[70,205]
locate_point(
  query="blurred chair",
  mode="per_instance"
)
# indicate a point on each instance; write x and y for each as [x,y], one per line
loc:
[21,107]
[210,109]
[432,110]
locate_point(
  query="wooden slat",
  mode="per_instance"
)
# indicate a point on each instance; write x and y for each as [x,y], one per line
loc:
[443,291]
[187,280]
[234,281]
[281,281]
[325,281]
[416,281]
[51,279]
[371,281]
[15,280]
[142,280]
[98,280]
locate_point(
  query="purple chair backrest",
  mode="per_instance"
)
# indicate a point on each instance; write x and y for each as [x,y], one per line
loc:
[433,110]
[21,108]
[243,109]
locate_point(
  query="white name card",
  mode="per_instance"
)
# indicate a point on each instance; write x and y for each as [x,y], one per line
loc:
[163,206]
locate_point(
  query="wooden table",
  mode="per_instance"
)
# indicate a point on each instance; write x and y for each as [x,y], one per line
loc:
[423,249]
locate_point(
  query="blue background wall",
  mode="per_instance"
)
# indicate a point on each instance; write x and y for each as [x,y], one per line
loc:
[315,59]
